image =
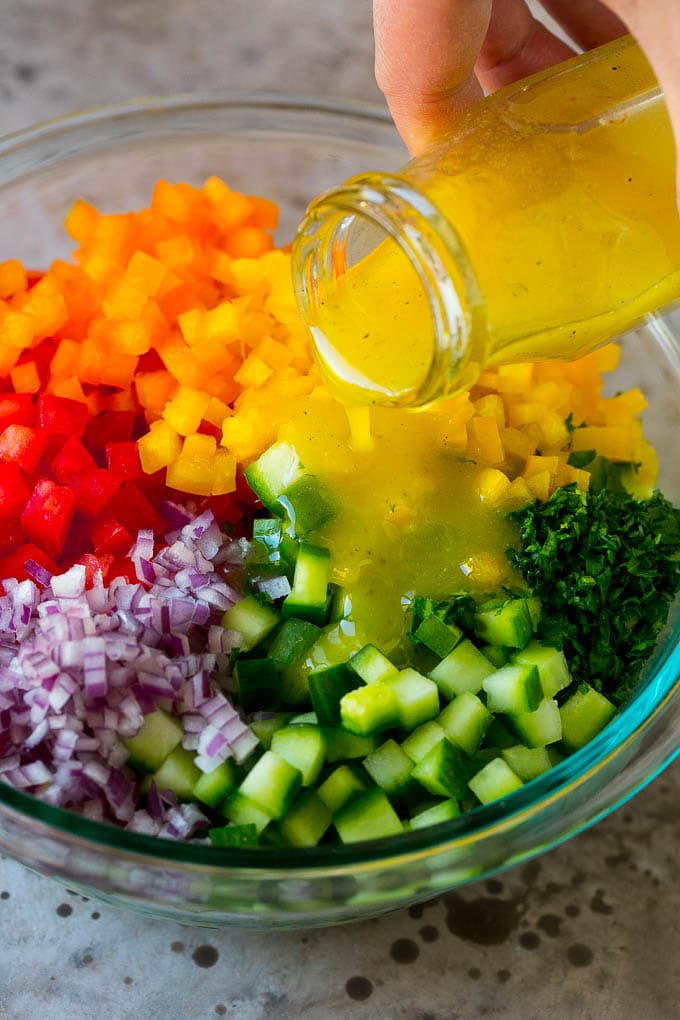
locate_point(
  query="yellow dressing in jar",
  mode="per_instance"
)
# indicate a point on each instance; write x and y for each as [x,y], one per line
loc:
[544,226]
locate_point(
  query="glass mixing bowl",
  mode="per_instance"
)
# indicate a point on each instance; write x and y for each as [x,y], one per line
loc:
[290,149]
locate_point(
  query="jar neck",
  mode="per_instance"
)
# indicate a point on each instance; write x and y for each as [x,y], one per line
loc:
[338,241]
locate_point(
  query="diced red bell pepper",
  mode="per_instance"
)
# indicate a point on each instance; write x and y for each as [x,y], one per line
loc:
[123,460]
[109,536]
[93,564]
[11,535]
[62,416]
[134,511]
[123,567]
[48,514]
[94,489]
[14,492]
[16,409]
[226,508]
[71,460]
[109,427]
[13,564]
[23,446]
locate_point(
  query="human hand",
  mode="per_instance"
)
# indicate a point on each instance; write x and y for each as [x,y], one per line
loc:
[434,57]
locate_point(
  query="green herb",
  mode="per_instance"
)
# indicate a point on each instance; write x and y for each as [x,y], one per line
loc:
[606,568]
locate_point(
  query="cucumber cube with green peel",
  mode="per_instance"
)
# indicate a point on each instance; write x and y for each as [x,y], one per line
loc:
[370,709]
[342,786]
[442,812]
[512,689]
[302,747]
[540,727]
[307,820]
[527,762]
[292,642]
[496,655]
[390,769]
[253,621]
[583,715]
[417,698]
[265,728]
[307,505]
[370,816]
[327,688]
[463,669]
[258,684]
[465,720]
[344,746]
[508,624]
[272,784]
[213,787]
[551,664]
[308,599]
[241,810]
[158,735]
[443,771]
[441,638]
[494,781]
[498,735]
[178,773]
[273,473]
[371,665]
[422,740]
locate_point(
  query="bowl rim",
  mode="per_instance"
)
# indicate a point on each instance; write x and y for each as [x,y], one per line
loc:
[660,688]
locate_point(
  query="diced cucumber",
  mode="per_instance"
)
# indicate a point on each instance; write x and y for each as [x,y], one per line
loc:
[305,719]
[417,698]
[540,727]
[342,746]
[341,606]
[213,787]
[266,541]
[258,684]
[463,669]
[422,740]
[307,820]
[441,638]
[234,835]
[253,621]
[371,665]
[302,747]
[496,654]
[342,786]
[390,769]
[265,728]
[494,781]
[307,505]
[158,735]
[512,689]
[241,810]
[443,771]
[498,735]
[442,812]
[583,715]
[465,720]
[327,687]
[370,816]
[272,784]
[527,762]
[508,624]
[294,639]
[273,473]
[178,773]
[370,709]
[308,599]
[551,664]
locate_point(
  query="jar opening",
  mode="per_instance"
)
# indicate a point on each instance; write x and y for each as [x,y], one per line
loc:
[387,294]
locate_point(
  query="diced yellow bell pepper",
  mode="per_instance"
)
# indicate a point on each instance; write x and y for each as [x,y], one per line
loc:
[159,447]
[184,412]
[492,486]
[189,475]
[615,442]
[224,473]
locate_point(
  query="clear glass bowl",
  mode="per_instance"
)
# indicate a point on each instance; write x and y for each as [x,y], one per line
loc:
[290,149]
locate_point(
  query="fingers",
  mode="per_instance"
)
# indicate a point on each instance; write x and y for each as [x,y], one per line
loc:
[425,52]
[588,22]
[516,45]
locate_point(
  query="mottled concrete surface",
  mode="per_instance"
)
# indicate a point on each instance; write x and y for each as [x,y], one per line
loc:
[588,932]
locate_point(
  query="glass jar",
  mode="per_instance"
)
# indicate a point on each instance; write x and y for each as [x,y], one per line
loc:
[544,225]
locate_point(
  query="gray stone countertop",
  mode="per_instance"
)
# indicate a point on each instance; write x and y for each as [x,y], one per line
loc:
[588,932]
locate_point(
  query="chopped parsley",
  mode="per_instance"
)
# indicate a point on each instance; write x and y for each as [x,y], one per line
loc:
[606,568]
